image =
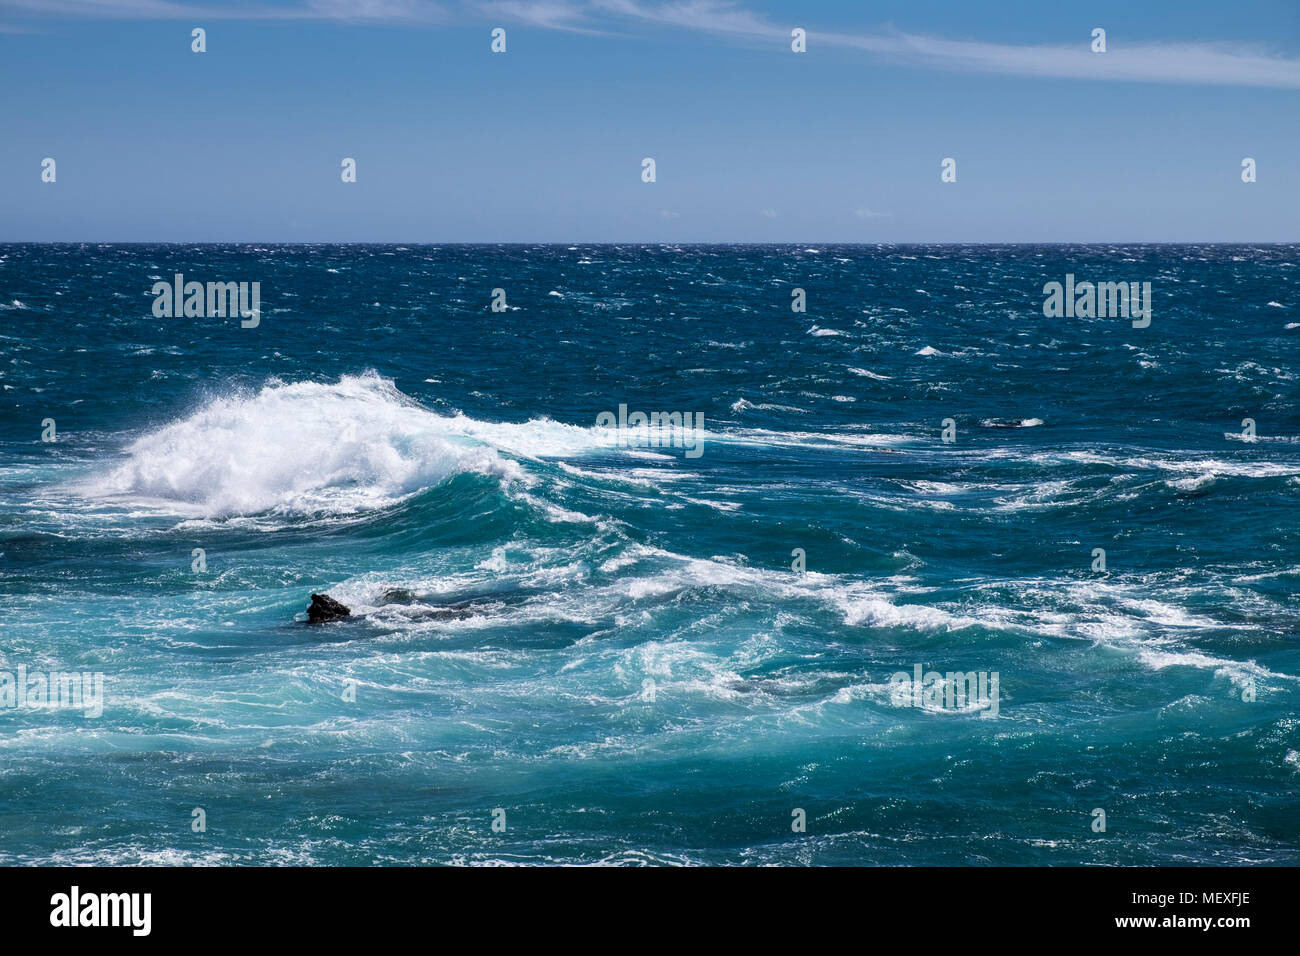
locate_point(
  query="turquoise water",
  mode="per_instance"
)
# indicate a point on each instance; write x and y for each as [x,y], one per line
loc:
[607,641]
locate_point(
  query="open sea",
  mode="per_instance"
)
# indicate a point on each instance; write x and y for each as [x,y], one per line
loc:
[571,643]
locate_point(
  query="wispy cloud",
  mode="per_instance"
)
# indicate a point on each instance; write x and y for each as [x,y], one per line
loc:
[551,14]
[1149,61]
[377,10]
[710,16]
[357,11]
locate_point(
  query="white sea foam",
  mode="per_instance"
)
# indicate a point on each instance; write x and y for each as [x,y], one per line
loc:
[762,436]
[1194,483]
[1004,423]
[1239,672]
[1203,466]
[350,446]
[307,447]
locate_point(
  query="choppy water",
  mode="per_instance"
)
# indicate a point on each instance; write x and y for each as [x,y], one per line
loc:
[385,436]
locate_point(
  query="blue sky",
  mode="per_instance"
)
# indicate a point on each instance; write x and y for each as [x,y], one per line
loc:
[752,141]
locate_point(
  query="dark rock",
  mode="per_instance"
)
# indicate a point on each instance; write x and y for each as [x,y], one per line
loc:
[324,608]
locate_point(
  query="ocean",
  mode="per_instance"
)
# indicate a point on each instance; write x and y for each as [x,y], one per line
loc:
[582,636]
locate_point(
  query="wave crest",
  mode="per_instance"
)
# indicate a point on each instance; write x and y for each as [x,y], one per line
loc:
[300,448]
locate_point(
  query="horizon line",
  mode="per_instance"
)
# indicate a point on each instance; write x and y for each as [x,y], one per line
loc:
[642,242]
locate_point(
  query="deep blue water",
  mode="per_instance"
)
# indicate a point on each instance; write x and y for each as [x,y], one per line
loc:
[383,435]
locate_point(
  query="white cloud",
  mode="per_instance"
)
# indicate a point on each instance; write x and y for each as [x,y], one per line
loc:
[363,11]
[1149,61]
[1146,61]
[551,14]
